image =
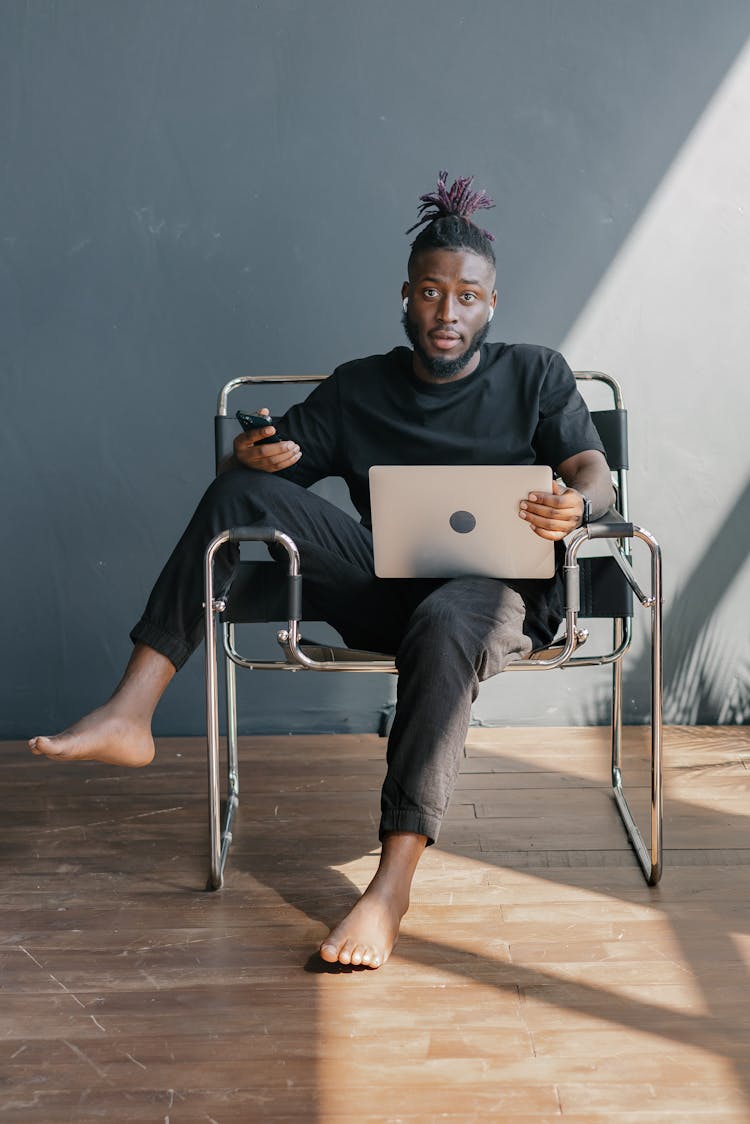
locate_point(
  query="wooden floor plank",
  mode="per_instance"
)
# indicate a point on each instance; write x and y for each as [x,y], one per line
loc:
[537,977]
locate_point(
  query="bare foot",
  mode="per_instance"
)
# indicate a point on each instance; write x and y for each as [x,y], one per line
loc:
[104,735]
[118,733]
[368,933]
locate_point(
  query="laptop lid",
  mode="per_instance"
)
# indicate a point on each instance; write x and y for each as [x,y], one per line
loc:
[444,521]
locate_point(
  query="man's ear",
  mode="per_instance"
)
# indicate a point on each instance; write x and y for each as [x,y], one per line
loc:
[405,290]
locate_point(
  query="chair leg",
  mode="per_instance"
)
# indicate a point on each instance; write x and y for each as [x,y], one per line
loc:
[233,764]
[220,836]
[216,869]
[616,727]
[650,859]
[220,828]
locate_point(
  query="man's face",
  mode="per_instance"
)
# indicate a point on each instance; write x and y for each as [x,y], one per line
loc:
[450,296]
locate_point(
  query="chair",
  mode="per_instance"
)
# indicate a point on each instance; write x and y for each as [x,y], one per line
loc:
[595,587]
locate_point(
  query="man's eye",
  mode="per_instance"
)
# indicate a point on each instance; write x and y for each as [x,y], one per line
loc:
[430,292]
[469,297]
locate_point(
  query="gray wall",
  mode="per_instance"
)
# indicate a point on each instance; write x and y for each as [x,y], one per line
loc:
[195,189]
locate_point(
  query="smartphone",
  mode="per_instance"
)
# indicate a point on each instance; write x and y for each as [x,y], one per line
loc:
[250,422]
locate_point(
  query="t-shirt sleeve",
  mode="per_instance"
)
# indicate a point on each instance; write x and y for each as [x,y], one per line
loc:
[313,424]
[565,426]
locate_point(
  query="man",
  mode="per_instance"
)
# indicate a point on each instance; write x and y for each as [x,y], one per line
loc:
[452,398]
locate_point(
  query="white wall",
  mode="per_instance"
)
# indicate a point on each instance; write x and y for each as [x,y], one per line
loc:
[671,320]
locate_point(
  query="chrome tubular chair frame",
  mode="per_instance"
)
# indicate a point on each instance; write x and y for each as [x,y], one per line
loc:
[298,656]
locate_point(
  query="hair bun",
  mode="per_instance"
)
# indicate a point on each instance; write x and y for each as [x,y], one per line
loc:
[458,200]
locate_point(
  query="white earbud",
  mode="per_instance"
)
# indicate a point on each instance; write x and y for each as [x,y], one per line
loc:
[405,303]
[492,313]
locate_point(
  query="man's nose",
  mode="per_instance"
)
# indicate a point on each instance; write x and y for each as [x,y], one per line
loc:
[446,312]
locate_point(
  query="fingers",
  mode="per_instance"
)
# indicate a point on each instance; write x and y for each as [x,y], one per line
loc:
[253,437]
[552,515]
[268,458]
[272,458]
[549,534]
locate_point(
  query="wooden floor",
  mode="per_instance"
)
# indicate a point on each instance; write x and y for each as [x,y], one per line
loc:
[537,977]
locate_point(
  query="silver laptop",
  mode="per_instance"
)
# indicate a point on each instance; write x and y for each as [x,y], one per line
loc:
[445,521]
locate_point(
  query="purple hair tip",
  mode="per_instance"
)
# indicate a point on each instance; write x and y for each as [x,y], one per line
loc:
[458,200]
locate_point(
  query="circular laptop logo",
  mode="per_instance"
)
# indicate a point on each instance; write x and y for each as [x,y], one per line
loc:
[462,522]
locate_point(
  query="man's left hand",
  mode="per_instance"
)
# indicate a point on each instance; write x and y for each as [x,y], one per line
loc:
[553,515]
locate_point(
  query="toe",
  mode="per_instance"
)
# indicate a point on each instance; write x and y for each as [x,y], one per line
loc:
[329,951]
[345,953]
[46,747]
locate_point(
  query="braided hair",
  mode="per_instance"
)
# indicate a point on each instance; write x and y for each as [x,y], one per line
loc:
[445,215]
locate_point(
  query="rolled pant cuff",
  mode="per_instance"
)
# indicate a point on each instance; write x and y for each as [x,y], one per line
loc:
[174,648]
[411,820]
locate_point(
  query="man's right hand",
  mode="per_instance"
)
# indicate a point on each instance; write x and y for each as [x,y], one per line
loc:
[268,458]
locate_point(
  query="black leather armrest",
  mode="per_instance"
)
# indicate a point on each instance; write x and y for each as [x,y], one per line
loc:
[611,525]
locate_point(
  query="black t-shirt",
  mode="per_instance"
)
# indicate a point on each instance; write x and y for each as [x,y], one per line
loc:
[520,406]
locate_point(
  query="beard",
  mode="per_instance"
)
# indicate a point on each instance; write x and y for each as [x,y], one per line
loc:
[443,368]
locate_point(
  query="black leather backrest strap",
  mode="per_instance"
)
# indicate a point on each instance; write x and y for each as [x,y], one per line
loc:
[225,431]
[612,427]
